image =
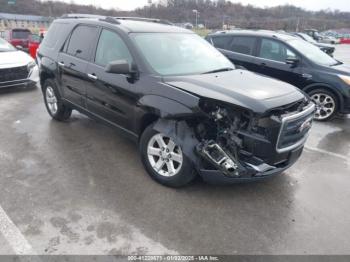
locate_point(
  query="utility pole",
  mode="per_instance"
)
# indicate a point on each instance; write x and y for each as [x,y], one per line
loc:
[298,23]
[197,14]
[150,8]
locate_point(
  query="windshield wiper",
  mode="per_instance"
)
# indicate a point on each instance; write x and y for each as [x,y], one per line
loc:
[219,70]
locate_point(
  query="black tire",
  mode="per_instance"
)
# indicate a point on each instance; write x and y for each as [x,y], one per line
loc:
[323,91]
[185,175]
[63,112]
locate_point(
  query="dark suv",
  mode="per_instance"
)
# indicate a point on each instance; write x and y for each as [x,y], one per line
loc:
[186,105]
[292,60]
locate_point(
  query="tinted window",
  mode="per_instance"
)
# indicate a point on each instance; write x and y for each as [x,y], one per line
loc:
[81,40]
[274,50]
[111,48]
[53,34]
[221,41]
[20,34]
[243,45]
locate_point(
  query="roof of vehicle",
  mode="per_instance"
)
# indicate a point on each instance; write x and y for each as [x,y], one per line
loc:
[265,33]
[129,24]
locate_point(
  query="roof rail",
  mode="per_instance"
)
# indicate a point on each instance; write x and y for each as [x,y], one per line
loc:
[144,19]
[81,16]
[107,19]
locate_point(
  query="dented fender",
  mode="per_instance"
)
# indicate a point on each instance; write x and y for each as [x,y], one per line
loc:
[165,107]
[182,135]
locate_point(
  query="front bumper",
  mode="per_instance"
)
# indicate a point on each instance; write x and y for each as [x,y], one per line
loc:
[31,81]
[217,177]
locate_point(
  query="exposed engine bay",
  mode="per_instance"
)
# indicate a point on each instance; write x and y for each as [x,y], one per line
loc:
[231,140]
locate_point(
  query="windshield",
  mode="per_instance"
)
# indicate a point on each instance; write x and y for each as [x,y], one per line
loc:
[312,52]
[5,46]
[180,54]
[308,38]
[20,34]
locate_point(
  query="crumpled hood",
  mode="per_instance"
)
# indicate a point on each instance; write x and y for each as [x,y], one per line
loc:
[239,87]
[14,59]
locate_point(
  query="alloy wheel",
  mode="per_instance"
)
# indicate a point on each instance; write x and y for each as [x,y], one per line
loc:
[164,155]
[51,100]
[325,105]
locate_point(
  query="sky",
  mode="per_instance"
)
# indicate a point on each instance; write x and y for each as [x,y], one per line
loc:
[342,5]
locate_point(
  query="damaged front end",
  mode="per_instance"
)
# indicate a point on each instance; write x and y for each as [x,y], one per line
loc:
[229,143]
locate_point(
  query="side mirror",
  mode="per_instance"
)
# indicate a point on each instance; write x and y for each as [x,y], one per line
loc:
[119,67]
[19,47]
[293,61]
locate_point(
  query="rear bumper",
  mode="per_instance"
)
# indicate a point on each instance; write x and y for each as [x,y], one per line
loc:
[217,177]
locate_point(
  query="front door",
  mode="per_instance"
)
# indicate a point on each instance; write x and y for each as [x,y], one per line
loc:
[110,96]
[271,61]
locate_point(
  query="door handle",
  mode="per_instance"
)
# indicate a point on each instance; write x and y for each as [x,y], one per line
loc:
[61,64]
[262,64]
[92,76]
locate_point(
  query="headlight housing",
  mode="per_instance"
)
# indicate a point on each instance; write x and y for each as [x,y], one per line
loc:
[346,79]
[31,65]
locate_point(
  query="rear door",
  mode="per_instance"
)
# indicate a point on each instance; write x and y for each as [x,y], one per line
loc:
[241,51]
[271,61]
[110,96]
[73,61]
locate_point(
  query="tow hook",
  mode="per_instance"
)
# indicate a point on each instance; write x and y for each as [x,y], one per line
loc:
[212,152]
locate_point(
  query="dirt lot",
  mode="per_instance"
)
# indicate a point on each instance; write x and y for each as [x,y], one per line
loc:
[80,188]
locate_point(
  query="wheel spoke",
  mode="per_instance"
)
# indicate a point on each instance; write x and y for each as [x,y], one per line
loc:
[176,157]
[159,165]
[153,151]
[171,146]
[160,141]
[170,167]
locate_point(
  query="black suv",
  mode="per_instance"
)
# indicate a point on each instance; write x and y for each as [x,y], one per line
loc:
[186,105]
[292,60]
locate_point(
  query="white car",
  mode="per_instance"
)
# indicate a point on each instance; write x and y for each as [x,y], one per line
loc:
[329,40]
[17,68]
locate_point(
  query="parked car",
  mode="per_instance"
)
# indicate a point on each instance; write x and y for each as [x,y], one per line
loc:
[328,49]
[18,37]
[313,33]
[329,40]
[290,59]
[16,67]
[186,105]
[33,45]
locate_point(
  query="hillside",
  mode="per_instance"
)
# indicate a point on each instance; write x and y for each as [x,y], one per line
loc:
[212,14]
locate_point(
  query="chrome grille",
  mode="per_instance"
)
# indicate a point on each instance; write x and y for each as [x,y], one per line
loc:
[294,129]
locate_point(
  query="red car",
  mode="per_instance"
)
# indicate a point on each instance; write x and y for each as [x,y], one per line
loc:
[18,37]
[33,44]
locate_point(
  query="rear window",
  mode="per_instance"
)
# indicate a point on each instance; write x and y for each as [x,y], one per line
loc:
[221,41]
[81,41]
[20,34]
[243,45]
[56,31]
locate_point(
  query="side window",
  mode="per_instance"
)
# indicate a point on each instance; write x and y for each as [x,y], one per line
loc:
[111,48]
[243,45]
[81,40]
[274,50]
[221,41]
